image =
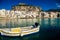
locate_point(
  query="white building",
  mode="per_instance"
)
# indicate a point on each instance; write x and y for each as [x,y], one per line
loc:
[12,14]
[3,13]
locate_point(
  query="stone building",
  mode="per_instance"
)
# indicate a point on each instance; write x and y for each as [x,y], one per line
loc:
[44,14]
[27,10]
[58,14]
[54,13]
[25,7]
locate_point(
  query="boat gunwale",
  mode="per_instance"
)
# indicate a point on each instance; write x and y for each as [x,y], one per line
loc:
[6,32]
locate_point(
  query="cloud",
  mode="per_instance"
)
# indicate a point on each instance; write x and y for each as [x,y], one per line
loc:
[58,5]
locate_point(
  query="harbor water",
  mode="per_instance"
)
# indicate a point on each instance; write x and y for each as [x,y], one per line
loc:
[49,28]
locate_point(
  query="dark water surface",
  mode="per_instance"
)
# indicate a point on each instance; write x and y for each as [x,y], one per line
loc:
[49,28]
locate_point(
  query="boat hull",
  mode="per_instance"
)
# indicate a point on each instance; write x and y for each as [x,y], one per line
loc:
[10,34]
[28,32]
[24,32]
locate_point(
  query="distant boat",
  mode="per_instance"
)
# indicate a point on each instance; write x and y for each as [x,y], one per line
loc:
[20,31]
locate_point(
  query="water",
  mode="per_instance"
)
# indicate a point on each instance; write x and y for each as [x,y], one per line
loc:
[50,28]
[17,22]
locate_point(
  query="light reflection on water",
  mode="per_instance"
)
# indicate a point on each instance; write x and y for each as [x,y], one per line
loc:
[44,23]
[51,21]
[17,22]
[28,22]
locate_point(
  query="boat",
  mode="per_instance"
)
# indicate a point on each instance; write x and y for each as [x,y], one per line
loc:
[19,31]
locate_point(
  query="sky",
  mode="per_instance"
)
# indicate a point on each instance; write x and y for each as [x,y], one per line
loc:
[43,4]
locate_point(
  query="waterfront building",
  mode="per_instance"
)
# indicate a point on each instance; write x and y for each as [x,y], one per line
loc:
[44,14]
[25,7]
[8,14]
[53,14]
[12,14]
[58,14]
[3,13]
[27,10]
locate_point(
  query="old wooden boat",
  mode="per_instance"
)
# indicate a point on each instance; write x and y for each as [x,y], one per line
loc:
[22,31]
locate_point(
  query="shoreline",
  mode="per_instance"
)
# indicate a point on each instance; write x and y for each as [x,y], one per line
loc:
[22,18]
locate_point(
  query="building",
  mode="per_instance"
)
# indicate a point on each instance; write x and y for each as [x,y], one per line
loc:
[3,13]
[23,10]
[28,11]
[25,7]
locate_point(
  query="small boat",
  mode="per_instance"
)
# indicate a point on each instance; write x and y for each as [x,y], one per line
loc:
[22,31]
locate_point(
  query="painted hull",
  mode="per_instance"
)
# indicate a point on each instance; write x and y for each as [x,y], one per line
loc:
[24,31]
[9,34]
[31,31]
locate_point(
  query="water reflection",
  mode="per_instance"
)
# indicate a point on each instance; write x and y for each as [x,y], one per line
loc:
[31,37]
[50,29]
[50,21]
[29,22]
[17,22]
[44,23]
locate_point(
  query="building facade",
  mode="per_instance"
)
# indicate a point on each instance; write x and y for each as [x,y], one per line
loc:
[27,11]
